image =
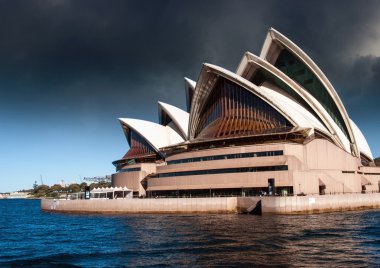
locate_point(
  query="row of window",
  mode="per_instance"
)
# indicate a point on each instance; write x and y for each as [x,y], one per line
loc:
[359,172]
[226,156]
[223,171]
[257,191]
[348,172]
[130,169]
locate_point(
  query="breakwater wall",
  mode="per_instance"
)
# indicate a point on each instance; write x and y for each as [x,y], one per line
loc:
[163,205]
[319,203]
[268,205]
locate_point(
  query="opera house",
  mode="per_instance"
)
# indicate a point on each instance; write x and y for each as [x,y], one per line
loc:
[275,126]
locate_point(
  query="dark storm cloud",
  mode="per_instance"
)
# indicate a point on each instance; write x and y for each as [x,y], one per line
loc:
[76,56]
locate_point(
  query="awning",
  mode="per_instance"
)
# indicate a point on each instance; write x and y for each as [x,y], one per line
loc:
[111,189]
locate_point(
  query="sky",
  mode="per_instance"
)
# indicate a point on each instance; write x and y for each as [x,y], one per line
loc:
[69,69]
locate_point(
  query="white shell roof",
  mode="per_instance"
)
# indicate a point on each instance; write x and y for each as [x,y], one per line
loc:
[201,95]
[190,82]
[361,140]
[274,35]
[179,116]
[189,91]
[299,114]
[286,106]
[250,59]
[156,135]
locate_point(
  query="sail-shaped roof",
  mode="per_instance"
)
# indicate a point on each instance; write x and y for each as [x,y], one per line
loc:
[189,92]
[361,141]
[179,117]
[281,89]
[250,65]
[289,108]
[287,56]
[156,135]
[206,82]
[301,116]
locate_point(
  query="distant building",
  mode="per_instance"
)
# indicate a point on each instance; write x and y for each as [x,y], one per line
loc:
[4,195]
[17,195]
[106,178]
[276,126]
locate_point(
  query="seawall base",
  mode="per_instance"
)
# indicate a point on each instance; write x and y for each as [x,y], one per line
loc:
[269,205]
[319,203]
[164,205]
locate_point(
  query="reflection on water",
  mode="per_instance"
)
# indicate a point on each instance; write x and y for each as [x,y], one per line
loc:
[37,239]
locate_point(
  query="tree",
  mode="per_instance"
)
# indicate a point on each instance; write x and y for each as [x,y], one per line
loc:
[83,186]
[104,184]
[41,190]
[56,188]
[74,188]
[93,185]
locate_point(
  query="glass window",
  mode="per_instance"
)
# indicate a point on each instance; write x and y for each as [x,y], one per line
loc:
[262,75]
[130,169]
[227,156]
[233,111]
[299,72]
[223,171]
[138,146]
[189,98]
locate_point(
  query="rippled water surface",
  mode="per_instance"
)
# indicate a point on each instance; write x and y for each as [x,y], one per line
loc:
[31,238]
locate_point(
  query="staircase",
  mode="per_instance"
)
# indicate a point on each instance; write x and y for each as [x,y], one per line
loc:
[249,205]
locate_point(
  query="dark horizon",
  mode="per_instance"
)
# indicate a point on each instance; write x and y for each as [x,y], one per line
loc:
[69,69]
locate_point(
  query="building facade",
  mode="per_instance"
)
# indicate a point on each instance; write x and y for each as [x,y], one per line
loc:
[276,126]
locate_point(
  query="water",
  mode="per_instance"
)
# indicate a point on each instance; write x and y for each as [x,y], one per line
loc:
[31,238]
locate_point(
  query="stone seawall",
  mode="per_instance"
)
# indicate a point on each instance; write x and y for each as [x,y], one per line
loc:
[319,203]
[269,205]
[164,205]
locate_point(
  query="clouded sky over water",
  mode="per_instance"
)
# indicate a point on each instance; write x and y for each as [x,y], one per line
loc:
[69,69]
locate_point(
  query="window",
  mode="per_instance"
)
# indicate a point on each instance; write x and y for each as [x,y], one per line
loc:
[223,171]
[256,191]
[138,145]
[189,98]
[130,169]
[234,111]
[227,156]
[299,72]
[262,75]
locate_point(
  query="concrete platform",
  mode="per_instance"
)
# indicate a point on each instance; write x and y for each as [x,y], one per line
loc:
[319,203]
[264,205]
[164,205]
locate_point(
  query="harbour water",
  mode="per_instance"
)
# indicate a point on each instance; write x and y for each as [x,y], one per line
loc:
[31,238]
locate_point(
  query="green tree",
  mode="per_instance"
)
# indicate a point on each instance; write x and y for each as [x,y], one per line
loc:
[104,184]
[56,188]
[41,190]
[74,188]
[83,186]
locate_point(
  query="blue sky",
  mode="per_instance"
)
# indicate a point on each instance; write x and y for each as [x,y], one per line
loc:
[69,69]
